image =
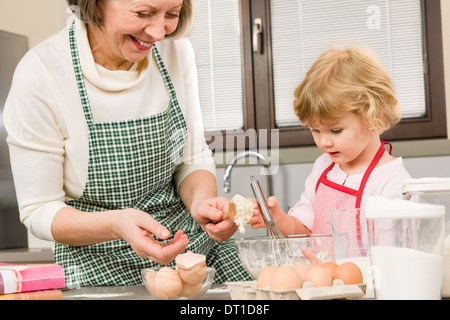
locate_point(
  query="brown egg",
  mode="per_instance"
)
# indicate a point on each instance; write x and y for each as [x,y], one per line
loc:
[319,277]
[265,276]
[330,266]
[286,278]
[349,273]
[303,269]
[165,283]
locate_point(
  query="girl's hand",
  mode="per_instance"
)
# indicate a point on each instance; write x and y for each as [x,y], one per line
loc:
[257,220]
[313,259]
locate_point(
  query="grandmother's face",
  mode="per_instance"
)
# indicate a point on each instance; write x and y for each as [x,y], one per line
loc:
[130,27]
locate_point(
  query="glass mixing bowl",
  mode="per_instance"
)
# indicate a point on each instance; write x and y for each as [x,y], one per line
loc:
[256,253]
[177,284]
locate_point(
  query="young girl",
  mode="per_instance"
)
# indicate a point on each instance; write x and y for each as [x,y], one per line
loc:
[347,100]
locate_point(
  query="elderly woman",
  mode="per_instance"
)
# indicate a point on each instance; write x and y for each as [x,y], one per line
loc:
[106,161]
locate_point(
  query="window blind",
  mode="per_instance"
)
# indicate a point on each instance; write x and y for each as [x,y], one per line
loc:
[303,29]
[216,38]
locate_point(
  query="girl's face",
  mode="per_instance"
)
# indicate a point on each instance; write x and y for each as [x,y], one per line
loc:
[348,141]
[130,27]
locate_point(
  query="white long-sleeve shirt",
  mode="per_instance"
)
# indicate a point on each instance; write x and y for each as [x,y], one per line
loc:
[47,132]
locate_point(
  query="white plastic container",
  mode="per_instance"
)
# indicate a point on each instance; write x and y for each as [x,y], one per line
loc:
[435,191]
[406,245]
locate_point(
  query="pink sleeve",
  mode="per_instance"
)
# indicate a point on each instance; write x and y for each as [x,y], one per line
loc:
[304,208]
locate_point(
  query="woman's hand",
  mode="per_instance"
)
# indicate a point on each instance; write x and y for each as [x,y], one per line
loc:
[76,228]
[208,213]
[198,191]
[137,228]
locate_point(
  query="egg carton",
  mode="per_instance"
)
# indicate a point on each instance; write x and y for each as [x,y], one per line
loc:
[247,290]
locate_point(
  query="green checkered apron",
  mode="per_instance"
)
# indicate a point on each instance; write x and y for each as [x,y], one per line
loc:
[131,165]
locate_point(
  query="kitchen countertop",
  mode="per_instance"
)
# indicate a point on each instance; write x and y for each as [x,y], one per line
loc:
[27,255]
[216,292]
[215,303]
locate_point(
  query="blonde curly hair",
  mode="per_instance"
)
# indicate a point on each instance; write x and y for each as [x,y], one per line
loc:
[349,79]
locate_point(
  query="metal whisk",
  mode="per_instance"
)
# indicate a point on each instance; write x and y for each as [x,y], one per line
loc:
[281,250]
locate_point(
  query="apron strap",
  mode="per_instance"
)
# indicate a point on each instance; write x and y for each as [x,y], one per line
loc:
[82,85]
[324,175]
[390,146]
[164,72]
[372,166]
[369,170]
[79,75]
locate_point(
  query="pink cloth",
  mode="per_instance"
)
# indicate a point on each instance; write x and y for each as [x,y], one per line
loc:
[322,223]
[385,180]
[30,277]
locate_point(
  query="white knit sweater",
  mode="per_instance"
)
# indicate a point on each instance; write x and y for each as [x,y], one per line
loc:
[47,133]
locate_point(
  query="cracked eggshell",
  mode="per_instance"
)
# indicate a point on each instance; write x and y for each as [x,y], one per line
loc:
[190,261]
[192,277]
[166,283]
[189,291]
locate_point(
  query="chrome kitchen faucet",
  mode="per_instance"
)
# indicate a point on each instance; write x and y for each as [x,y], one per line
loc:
[264,161]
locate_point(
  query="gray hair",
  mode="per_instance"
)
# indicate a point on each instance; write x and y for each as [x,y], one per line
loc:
[87,11]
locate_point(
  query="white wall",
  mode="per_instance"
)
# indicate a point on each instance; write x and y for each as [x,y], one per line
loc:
[35,19]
